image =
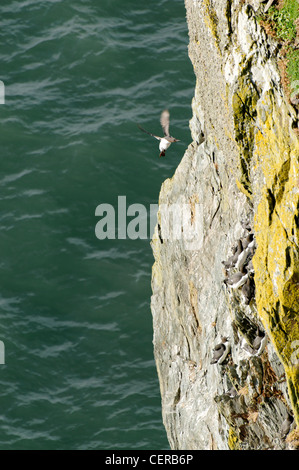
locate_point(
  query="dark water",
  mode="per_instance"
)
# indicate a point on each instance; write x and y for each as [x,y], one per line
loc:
[75,313]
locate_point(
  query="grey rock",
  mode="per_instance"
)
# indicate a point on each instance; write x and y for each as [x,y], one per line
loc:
[286,426]
[232,58]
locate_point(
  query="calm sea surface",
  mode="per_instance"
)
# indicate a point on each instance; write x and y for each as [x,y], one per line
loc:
[75,313]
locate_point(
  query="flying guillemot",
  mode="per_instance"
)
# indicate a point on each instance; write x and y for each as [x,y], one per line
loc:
[167,140]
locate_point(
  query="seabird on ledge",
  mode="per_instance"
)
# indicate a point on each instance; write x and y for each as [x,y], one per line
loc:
[236,250]
[220,351]
[167,140]
[232,392]
[259,342]
[237,279]
[248,289]
[247,241]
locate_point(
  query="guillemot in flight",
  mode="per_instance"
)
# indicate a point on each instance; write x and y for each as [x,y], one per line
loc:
[167,140]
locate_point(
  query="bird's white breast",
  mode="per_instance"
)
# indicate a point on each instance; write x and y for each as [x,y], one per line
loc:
[227,350]
[164,144]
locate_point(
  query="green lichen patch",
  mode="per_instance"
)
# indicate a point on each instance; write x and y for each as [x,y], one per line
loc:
[283,19]
[282,22]
[293,67]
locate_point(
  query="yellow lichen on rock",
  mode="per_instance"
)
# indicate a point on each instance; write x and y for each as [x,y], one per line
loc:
[210,19]
[276,262]
[233,440]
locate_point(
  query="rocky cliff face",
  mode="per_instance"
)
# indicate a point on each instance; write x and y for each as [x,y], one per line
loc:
[244,178]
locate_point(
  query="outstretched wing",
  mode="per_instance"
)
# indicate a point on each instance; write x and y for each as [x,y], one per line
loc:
[164,119]
[149,133]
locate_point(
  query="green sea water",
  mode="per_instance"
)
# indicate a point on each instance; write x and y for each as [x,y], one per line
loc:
[75,317]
